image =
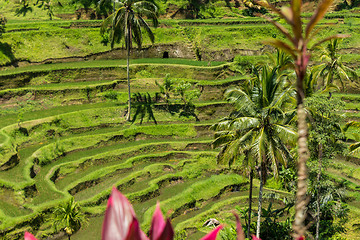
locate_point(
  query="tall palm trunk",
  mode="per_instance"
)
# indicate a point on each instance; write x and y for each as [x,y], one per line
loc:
[260,203]
[318,192]
[128,117]
[250,202]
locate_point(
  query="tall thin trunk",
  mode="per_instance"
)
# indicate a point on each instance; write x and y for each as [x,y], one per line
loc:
[303,152]
[128,117]
[250,202]
[318,192]
[260,203]
[301,199]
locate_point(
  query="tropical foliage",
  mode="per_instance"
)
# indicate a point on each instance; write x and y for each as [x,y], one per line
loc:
[260,125]
[296,44]
[69,217]
[126,23]
[325,142]
[2,24]
[332,67]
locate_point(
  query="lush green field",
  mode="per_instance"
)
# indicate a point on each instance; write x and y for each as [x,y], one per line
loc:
[63,133]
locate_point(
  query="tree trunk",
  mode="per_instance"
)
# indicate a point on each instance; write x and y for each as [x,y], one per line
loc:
[303,152]
[301,199]
[128,116]
[318,192]
[250,202]
[69,237]
[260,203]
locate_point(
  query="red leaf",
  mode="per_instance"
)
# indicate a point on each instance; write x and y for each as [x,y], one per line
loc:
[135,232]
[168,232]
[212,235]
[157,223]
[29,236]
[301,238]
[317,16]
[119,216]
[159,229]
[239,230]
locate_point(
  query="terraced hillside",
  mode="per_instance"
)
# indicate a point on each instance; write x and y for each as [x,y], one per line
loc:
[70,141]
[63,132]
[56,151]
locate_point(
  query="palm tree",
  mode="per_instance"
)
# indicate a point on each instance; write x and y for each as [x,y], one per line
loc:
[69,217]
[354,148]
[332,67]
[126,23]
[258,126]
[233,147]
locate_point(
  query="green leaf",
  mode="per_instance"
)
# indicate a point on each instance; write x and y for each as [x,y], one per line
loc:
[319,14]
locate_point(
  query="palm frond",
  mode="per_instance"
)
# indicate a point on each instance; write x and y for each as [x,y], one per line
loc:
[241,100]
[147,29]
[136,32]
[286,133]
[351,124]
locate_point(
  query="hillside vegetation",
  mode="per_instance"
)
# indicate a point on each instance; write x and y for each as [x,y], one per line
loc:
[63,134]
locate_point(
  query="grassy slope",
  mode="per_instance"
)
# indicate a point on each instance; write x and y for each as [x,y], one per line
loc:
[35,45]
[70,43]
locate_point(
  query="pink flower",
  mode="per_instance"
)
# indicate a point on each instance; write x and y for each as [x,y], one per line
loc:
[160,230]
[239,230]
[29,236]
[212,235]
[120,221]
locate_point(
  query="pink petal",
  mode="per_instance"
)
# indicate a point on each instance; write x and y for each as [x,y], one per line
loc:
[119,216]
[135,232]
[168,232]
[239,230]
[159,229]
[212,235]
[157,223]
[29,236]
[255,238]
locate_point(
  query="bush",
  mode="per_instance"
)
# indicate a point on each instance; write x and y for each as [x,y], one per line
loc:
[2,24]
[111,95]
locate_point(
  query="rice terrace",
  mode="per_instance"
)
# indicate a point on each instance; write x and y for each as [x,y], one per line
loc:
[211,108]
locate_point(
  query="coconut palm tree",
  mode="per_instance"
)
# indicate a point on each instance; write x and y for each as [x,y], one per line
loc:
[126,23]
[258,127]
[332,67]
[69,217]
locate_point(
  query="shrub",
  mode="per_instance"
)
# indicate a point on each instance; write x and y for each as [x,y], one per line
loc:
[2,24]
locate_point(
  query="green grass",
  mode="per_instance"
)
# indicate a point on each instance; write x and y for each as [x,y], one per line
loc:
[106,64]
[200,191]
[136,161]
[28,116]
[35,45]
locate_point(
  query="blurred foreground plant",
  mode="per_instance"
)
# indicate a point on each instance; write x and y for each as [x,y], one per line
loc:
[120,223]
[297,45]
